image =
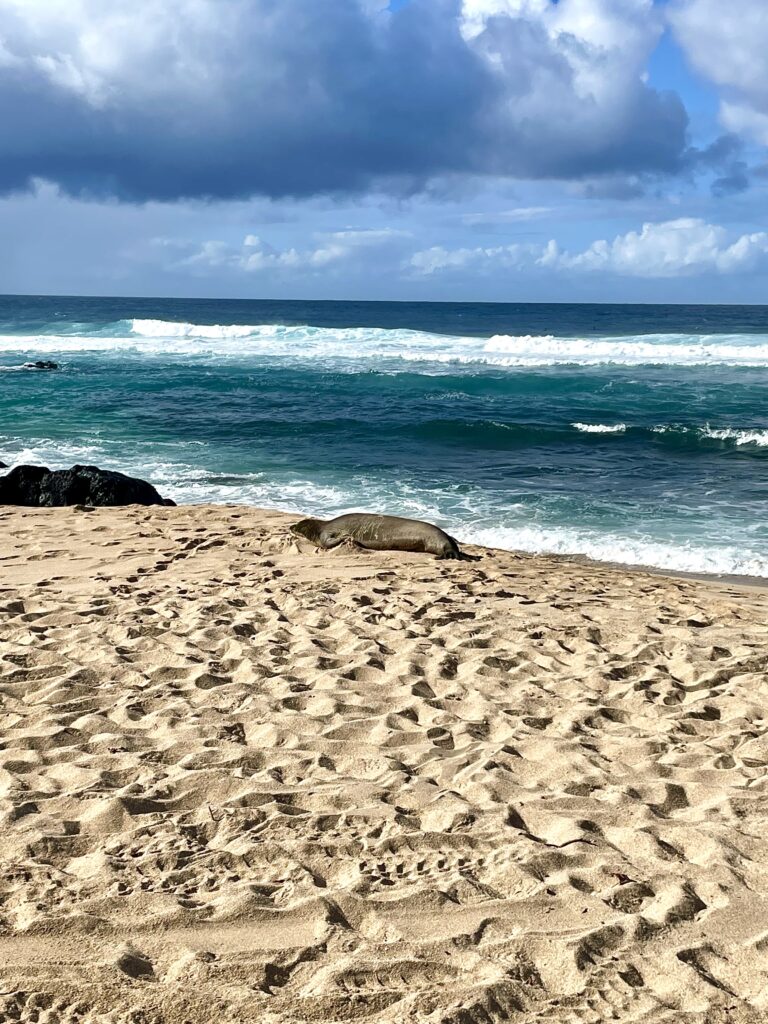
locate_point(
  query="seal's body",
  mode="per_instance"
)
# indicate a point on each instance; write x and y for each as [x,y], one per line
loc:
[380,533]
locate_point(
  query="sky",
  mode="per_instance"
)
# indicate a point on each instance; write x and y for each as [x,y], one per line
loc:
[478,150]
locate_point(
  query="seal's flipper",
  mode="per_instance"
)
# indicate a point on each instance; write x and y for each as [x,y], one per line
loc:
[331,542]
[458,556]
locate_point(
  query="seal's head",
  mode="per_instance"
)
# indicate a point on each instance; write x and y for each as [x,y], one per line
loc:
[309,528]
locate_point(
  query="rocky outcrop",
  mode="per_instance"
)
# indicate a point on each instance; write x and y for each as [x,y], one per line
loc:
[42,364]
[36,486]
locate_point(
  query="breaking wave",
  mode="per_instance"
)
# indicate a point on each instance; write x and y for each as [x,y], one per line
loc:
[376,345]
[726,560]
[600,428]
[728,435]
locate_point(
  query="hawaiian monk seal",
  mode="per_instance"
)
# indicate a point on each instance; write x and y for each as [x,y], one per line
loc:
[381,533]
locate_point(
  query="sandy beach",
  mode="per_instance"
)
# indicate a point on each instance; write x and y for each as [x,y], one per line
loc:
[243,780]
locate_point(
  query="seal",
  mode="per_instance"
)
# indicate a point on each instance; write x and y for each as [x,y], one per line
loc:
[381,533]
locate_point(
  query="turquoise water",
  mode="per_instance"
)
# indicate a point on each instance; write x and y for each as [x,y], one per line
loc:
[628,433]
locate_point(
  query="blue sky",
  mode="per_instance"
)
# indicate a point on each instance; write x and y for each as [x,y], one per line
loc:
[511,150]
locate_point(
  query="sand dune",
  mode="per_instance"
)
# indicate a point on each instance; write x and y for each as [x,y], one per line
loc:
[241,780]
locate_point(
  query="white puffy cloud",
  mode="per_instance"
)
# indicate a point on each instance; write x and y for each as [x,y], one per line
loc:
[255,254]
[727,43]
[105,52]
[675,248]
[672,248]
[482,258]
[605,43]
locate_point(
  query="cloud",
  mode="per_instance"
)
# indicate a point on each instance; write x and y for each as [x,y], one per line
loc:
[515,216]
[482,258]
[727,44]
[255,254]
[674,248]
[166,99]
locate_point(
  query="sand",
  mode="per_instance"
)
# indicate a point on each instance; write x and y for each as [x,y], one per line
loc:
[242,780]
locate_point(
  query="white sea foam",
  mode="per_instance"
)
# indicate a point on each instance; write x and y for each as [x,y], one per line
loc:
[54,455]
[649,349]
[739,437]
[600,428]
[169,329]
[728,560]
[377,346]
[758,438]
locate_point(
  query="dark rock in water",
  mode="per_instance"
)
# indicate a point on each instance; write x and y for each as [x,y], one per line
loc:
[42,364]
[36,486]
[3,465]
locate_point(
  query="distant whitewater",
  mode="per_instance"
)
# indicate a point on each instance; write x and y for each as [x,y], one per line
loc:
[624,433]
[381,345]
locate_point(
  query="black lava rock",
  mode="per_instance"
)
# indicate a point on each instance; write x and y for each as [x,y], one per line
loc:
[42,364]
[36,486]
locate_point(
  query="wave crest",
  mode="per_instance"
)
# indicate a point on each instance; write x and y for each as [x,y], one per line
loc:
[170,329]
[733,435]
[600,428]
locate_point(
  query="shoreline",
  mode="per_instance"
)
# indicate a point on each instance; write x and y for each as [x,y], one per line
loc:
[726,579]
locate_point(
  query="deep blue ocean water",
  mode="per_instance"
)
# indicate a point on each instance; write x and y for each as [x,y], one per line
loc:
[628,433]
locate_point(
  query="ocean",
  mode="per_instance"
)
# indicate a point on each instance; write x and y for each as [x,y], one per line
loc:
[634,434]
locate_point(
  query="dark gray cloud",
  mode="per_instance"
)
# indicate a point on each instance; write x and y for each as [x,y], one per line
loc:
[169,99]
[723,157]
[736,180]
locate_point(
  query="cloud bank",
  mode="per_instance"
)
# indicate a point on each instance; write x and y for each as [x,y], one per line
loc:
[169,99]
[255,254]
[675,248]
